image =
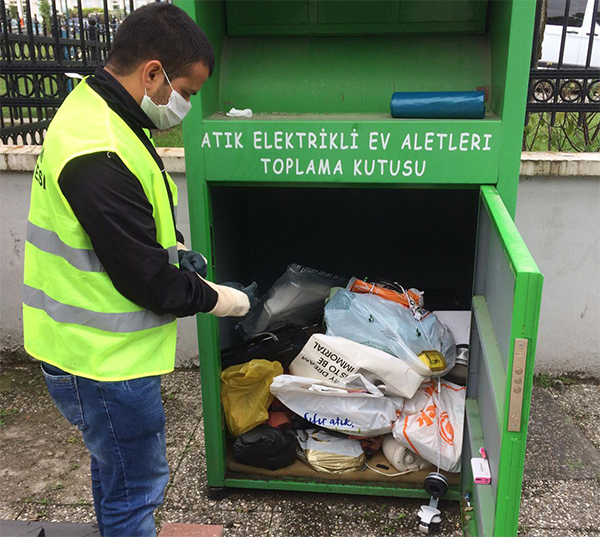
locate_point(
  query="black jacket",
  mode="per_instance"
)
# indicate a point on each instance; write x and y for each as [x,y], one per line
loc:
[109,202]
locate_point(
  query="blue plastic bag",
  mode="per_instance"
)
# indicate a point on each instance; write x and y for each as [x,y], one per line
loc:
[390,327]
[438,104]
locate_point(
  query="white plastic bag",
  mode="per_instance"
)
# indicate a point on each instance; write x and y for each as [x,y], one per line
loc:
[432,424]
[234,112]
[390,327]
[360,410]
[335,359]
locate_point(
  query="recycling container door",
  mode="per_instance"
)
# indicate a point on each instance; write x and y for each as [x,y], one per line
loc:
[505,313]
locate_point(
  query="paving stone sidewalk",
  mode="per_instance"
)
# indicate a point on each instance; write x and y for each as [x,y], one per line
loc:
[45,474]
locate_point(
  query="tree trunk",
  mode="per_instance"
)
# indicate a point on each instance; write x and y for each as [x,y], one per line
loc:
[541,30]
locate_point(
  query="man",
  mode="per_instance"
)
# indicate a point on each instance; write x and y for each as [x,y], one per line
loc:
[103,285]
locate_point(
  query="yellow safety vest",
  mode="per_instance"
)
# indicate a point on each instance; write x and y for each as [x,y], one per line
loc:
[73,316]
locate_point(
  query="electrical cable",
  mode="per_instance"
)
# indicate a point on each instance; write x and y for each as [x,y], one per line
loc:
[437,413]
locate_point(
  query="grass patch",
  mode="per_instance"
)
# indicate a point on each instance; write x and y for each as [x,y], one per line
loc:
[566,380]
[543,380]
[566,135]
[42,513]
[169,138]
[6,413]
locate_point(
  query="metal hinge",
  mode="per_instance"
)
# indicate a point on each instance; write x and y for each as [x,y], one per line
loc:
[517,382]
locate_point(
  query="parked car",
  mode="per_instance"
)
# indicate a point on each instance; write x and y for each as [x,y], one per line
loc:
[577,37]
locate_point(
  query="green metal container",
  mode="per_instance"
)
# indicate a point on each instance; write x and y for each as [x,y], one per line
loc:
[321,175]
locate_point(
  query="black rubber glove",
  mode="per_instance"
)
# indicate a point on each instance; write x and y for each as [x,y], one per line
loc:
[192,261]
[251,291]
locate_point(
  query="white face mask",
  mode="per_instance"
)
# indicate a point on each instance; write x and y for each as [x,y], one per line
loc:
[165,116]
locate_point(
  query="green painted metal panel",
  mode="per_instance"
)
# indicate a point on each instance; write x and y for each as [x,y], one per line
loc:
[211,17]
[486,386]
[500,303]
[444,11]
[349,151]
[266,14]
[517,253]
[525,319]
[493,359]
[355,76]
[511,35]
[332,17]
[355,12]
[346,75]
[505,448]
[305,485]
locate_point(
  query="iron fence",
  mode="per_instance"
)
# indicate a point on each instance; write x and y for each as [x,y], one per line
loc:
[36,57]
[563,108]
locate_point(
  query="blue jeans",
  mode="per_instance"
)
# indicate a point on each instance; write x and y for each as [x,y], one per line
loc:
[123,427]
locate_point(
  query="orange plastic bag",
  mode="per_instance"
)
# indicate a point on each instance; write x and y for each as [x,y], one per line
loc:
[362,287]
[245,394]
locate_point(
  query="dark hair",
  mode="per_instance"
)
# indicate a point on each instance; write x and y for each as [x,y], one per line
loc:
[164,32]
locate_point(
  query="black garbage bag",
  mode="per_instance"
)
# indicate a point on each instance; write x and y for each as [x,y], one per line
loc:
[282,345]
[297,298]
[265,447]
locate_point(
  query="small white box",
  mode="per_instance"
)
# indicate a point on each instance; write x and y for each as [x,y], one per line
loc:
[459,323]
[481,471]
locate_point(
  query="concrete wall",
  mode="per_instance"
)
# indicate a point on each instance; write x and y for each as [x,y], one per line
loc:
[559,218]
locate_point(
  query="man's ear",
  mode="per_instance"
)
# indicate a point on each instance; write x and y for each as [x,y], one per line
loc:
[152,75]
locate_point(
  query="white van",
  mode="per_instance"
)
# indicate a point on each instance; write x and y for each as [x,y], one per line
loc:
[577,37]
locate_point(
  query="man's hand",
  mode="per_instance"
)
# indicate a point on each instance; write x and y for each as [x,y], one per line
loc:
[251,291]
[192,261]
[234,300]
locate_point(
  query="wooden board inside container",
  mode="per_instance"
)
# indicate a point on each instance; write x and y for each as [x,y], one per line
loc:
[302,470]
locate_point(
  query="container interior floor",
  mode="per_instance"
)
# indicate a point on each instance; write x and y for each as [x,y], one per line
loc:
[300,470]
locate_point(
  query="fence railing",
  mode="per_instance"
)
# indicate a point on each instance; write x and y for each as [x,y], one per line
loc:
[36,55]
[563,109]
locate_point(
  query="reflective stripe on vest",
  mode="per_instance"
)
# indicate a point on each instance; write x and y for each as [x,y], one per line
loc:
[82,259]
[50,242]
[132,321]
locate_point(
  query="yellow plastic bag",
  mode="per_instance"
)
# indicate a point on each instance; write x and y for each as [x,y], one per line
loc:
[245,394]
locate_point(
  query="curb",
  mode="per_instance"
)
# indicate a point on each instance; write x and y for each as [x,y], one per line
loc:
[547,164]
[22,158]
[190,530]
